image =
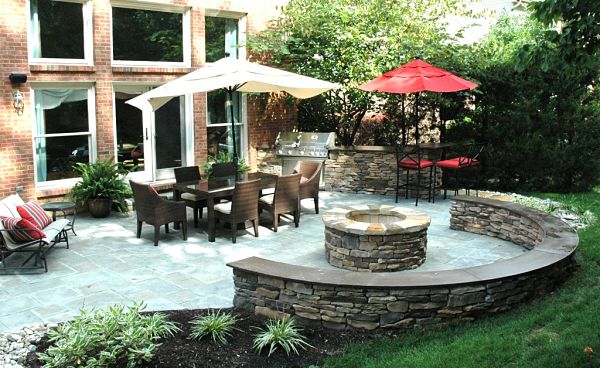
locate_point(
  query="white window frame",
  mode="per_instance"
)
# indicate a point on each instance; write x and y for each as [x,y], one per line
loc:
[242,53]
[154,6]
[93,147]
[88,38]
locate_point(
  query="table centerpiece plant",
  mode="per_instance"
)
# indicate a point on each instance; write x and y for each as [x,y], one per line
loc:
[223,157]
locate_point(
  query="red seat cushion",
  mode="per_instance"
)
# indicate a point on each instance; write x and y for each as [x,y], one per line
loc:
[32,212]
[414,164]
[32,233]
[457,163]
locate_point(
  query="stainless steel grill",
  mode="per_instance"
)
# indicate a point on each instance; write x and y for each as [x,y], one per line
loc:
[292,147]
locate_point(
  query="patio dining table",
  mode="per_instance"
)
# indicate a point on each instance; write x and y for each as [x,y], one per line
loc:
[219,187]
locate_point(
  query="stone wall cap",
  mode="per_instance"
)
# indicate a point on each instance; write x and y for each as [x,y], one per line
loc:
[311,275]
[409,220]
[384,149]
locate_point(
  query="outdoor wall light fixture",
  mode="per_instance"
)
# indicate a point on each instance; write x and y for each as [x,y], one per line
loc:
[17,96]
[18,103]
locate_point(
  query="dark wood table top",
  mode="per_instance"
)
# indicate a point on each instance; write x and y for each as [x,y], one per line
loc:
[226,183]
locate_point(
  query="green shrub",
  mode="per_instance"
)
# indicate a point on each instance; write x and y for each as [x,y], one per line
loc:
[102,179]
[113,337]
[216,325]
[222,157]
[282,333]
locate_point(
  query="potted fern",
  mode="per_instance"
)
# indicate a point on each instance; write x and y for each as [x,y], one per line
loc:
[223,157]
[102,184]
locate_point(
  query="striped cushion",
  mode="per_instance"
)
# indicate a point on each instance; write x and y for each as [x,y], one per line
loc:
[32,212]
[11,223]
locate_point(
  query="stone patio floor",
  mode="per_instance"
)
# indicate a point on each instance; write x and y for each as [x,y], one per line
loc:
[106,264]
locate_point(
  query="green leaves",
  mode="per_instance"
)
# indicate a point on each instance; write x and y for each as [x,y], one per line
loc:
[218,326]
[222,157]
[103,179]
[351,42]
[104,338]
[280,333]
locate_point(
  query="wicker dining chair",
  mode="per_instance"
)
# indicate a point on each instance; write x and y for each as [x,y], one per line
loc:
[157,211]
[285,199]
[220,169]
[243,206]
[197,203]
[310,172]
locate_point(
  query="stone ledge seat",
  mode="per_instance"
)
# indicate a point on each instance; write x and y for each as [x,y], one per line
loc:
[341,299]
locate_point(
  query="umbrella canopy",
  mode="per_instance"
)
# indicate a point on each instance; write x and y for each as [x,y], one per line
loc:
[237,76]
[415,77]
[233,75]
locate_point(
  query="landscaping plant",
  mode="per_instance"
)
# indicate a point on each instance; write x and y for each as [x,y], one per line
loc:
[102,179]
[282,332]
[350,42]
[117,336]
[216,325]
[222,157]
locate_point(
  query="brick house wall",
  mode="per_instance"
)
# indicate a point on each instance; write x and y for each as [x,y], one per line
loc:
[16,145]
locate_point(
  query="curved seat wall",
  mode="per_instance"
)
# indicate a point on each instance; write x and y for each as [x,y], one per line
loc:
[341,299]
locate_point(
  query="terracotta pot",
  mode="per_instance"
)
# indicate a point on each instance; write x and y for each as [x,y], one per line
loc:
[100,207]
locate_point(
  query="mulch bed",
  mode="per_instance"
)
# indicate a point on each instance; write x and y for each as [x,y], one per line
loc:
[181,352]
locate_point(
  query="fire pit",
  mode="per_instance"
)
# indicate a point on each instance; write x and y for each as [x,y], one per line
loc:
[375,238]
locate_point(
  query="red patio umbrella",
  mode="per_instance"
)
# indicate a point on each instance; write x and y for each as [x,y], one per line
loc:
[415,77]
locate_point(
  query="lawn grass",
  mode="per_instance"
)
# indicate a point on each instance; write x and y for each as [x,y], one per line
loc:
[551,331]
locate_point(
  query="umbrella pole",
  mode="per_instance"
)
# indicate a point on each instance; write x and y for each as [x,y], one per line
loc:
[417,118]
[235,153]
[403,122]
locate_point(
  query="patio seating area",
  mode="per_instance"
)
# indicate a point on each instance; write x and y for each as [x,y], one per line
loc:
[107,264]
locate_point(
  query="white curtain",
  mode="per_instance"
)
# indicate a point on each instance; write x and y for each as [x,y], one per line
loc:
[47,99]
[34,25]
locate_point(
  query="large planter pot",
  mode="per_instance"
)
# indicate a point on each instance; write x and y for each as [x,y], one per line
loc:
[100,207]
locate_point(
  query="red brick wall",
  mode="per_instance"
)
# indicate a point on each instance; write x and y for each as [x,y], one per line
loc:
[16,148]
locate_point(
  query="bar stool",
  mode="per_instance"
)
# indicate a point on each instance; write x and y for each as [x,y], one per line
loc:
[410,158]
[470,159]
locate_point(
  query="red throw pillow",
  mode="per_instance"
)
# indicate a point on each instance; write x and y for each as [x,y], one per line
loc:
[32,212]
[32,233]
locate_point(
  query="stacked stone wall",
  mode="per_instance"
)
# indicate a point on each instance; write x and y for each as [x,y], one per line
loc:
[360,169]
[341,307]
[375,253]
[495,222]
[267,161]
[341,299]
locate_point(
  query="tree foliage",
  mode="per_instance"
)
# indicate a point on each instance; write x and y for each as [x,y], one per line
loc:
[537,112]
[351,42]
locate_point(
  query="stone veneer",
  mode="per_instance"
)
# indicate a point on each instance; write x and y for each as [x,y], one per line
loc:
[375,238]
[358,169]
[340,299]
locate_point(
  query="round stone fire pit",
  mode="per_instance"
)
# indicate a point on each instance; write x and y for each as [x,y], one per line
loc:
[375,238]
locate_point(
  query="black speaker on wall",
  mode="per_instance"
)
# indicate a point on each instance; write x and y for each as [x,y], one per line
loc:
[16,78]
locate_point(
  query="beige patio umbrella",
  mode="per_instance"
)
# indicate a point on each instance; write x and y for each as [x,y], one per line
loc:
[233,75]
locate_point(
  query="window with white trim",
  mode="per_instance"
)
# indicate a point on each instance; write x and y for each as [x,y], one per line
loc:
[64,126]
[60,32]
[222,40]
[152,35]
